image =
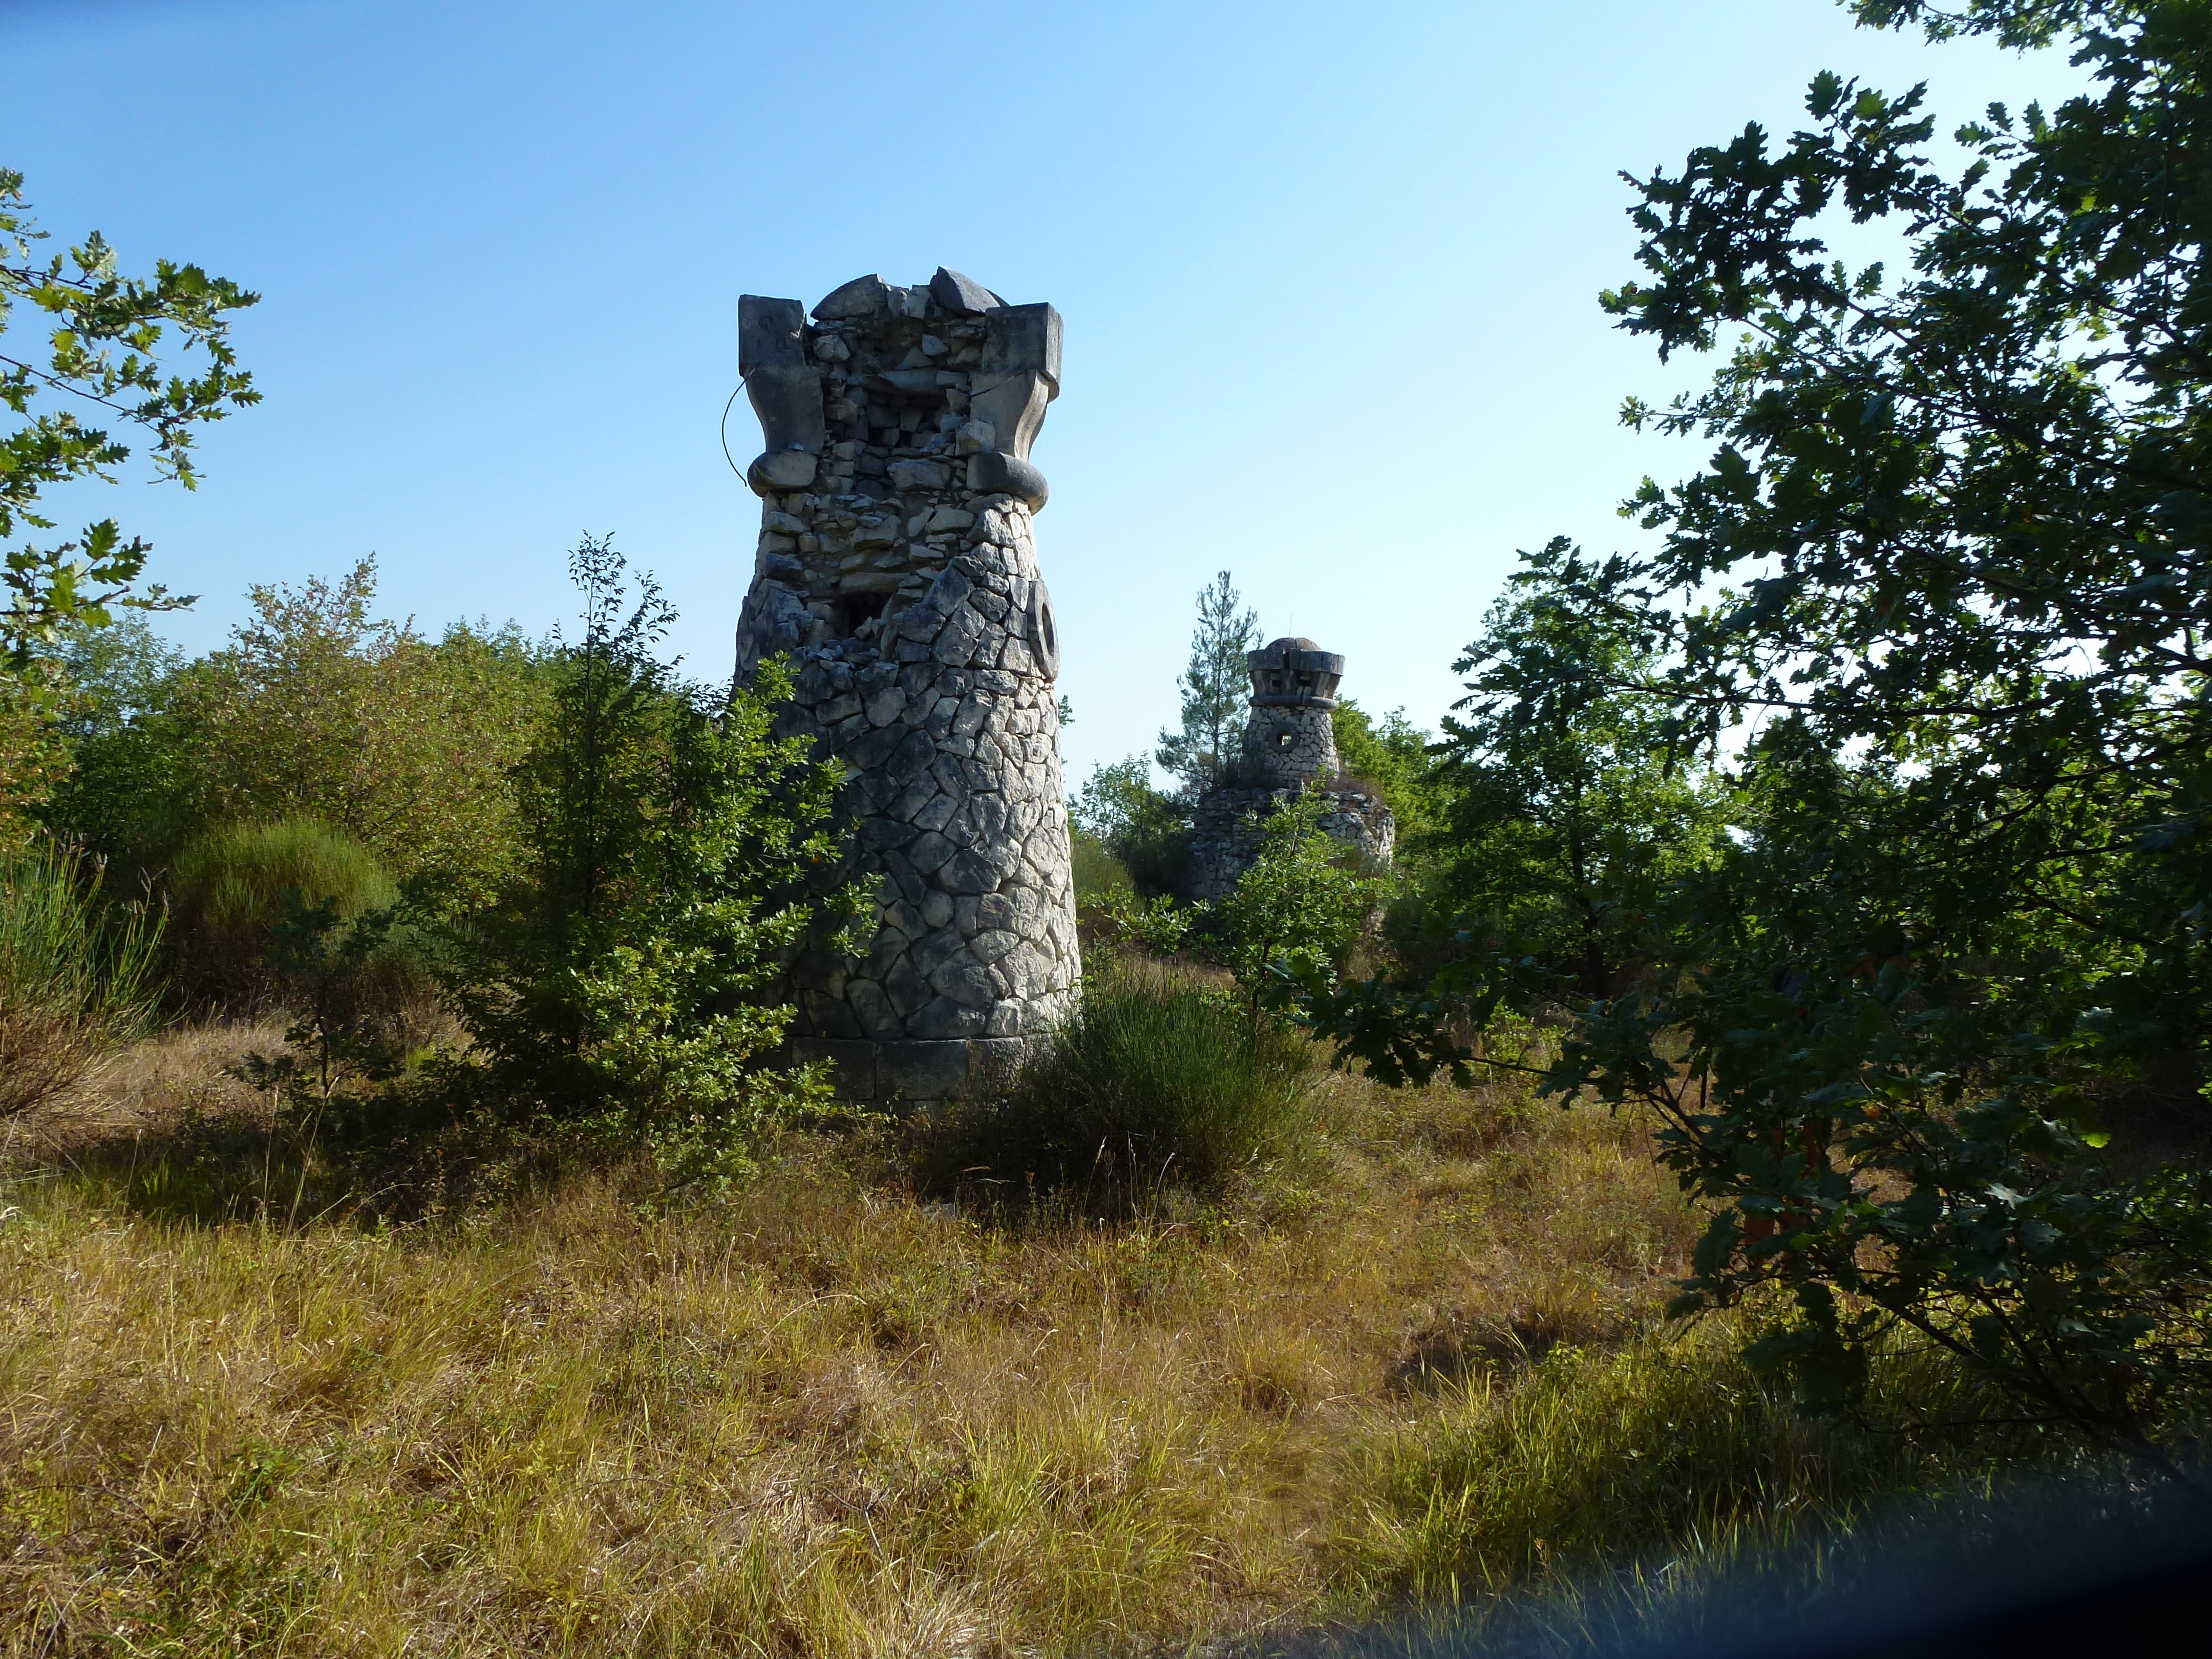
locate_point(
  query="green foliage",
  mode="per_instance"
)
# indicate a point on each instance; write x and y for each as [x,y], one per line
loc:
[1297,909]
[1394,758]
[669,846]
[1958,953]
[1147,832]
[1100,876]
[1567,804]
[1160,924]
[77,977]
[1928,1028]
[1215,687]
[316,710]
[102,356]
[1155,1080]
[120,795]
[232,892]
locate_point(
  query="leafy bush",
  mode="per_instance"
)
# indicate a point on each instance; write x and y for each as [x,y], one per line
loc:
[1393,758]
[77,977]
[1294,913]
[1146,831]
[1099,875]
[1155,1079]
[235,889]
[670,849]
[317,710]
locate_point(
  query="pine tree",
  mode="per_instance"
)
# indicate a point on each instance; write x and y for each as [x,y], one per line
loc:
[1214,688]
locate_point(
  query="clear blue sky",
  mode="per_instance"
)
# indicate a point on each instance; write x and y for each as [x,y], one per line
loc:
[1328,272]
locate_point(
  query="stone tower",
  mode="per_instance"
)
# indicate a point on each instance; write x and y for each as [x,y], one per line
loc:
[1290,739]
[897,571]
[1290,749]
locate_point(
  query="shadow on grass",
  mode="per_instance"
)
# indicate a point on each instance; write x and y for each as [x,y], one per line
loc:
[401,1154]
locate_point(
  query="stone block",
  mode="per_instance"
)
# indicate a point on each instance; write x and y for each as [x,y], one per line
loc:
[878,834]
[828,1015]
[943,1017]
[963,294]
[968,982]
[911,888]
[906,987]
[988,947]
[933,950]
[871,1006]
[929,852]
[769,333]
[861,298]
[968,871]
[936,813]
[926,1071]
[787,469]
[1019,337]
[992,473]
[870,748]
[911,758]
[918,475]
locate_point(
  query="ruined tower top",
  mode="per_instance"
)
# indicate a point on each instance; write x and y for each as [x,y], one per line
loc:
[1291,736]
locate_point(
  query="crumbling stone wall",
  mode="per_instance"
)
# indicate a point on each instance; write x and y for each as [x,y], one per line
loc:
[897,569]
[1289,749]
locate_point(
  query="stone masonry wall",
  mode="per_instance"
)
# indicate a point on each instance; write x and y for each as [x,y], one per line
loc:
[896,568]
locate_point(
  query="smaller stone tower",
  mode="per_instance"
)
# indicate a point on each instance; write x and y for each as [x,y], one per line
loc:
[1290,749]
[1291,739]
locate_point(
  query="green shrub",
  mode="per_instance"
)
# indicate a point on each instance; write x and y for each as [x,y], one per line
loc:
[77,977]
[1147,833]
[228,892]
[1155,1080]
[1098,874]
[672,854]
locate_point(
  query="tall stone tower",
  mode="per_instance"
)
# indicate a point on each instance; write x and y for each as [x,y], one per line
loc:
[897,570]
[1290,749]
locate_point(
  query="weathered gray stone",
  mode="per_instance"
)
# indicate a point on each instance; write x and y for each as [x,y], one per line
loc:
[918,475]
[943,1017]
[862,298]
[768,332]
[929,852]
[954,292]
[873,1007]
[1289,750]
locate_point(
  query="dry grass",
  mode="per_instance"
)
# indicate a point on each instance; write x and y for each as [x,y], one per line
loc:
[825,1418]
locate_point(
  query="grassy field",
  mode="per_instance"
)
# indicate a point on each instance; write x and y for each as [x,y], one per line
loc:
[1419,1363]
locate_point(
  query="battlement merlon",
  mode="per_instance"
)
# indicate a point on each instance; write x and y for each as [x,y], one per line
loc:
[1000,362]
[1289,673]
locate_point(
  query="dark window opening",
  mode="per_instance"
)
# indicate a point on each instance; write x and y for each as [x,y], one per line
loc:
[1282,741]
[852,610]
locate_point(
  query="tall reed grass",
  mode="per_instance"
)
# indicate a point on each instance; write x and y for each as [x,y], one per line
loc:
[78,975]
[1159,1079]
[227,889]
